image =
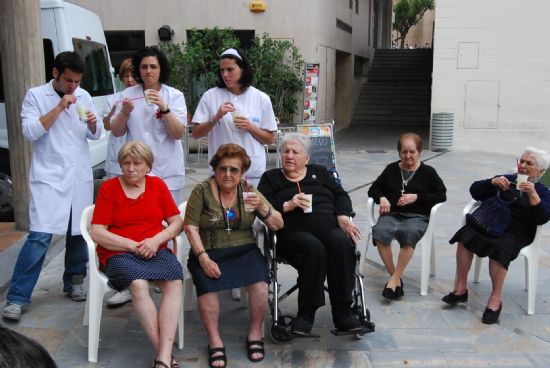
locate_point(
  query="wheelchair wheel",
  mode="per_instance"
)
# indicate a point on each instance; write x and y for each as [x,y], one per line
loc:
[279,334]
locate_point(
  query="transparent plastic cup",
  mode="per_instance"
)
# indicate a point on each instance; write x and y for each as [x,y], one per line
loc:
[82,111]
[522,178]
[247,207]
[147,93]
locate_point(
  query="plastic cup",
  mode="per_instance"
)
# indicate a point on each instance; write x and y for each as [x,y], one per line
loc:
[522,178]
[81,110]
[309,198]
[147,93]
[247,207]
[235,115]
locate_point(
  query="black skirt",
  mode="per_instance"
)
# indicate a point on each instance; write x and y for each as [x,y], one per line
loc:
[122,269]
[239,266]
[503,249]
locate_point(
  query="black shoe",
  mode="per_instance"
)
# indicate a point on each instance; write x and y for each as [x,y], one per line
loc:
[453,299]
[490,316]
[346,321]
[388,293]
[301,325]
[399,292]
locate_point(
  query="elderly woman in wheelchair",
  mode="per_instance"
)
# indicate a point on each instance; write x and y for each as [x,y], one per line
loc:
[127,225]
[318,235]
[529,205]
[406,191]
[218,223]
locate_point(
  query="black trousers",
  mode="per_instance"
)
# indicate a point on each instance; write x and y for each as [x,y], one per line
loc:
[326,254]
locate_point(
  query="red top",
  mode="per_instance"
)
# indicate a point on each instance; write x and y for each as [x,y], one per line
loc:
[136,219]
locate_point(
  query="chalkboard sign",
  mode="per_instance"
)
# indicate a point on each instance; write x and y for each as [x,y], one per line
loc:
[322,144]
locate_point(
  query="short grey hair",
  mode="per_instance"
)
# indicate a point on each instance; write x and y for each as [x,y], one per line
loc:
[542,157]
[301,138]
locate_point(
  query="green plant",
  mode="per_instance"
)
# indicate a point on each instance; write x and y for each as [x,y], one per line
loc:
[278,71]
[407,14]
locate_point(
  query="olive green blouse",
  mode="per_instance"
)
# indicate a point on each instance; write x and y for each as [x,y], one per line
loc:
[205,211]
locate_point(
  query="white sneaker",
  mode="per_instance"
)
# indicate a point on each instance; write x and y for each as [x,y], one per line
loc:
[77,293]
[120,298]
[12,311]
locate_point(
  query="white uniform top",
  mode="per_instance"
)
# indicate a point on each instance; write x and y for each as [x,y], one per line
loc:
[144,126]
[111,162]
[255,105]
[60,176]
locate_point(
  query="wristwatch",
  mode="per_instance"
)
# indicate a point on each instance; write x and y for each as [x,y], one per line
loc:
[165,111]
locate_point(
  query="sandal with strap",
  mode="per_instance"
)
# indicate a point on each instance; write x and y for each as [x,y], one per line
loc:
[157,363]
[216,358]
[174,363]
[255,350]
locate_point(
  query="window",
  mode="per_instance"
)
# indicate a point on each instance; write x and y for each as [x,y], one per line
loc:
[97,79]
[356,6]
[122,44]
[351,4]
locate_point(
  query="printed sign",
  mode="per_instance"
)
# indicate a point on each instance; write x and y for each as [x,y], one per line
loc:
[311,84]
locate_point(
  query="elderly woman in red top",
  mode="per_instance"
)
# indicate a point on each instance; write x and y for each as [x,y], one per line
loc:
[127,225]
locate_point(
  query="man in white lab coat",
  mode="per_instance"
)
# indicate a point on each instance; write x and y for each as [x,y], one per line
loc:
[57,117]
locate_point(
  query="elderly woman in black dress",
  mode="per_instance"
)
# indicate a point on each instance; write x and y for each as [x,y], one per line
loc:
[318,237]
[223,252]
[529,206]
[406,191]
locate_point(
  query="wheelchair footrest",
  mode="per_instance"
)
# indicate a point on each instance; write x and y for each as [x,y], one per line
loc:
[304,336]
[366,328]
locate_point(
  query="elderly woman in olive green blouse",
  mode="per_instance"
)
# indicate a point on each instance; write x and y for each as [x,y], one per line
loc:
[224,254]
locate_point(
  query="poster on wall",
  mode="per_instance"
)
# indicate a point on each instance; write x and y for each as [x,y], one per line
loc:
[311,86]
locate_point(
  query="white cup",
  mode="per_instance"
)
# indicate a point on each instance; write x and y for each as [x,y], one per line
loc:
[309,198]
[522,178]
[247,207]
[81,110]
[146,93]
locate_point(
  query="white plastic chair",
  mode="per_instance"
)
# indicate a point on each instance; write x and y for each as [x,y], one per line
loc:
[426,243]
[98,287]
[530,252]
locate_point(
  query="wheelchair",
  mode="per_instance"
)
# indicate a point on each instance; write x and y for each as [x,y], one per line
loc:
[278,327]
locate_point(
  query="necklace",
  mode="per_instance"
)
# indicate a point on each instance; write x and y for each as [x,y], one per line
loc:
[405,182]
[228,213]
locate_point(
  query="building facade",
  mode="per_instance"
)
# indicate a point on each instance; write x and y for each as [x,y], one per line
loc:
[492,70]
[340,35]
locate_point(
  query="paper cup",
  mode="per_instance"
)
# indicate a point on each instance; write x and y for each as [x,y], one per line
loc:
[147,97]
[309,198]
[81,110]
[522,178]
[247,207]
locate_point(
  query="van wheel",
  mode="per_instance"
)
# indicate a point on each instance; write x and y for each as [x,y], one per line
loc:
[6,198]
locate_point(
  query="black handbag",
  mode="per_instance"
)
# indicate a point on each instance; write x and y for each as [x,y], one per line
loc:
[492,217]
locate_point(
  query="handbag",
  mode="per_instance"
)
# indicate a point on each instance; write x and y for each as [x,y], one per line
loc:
[492,217]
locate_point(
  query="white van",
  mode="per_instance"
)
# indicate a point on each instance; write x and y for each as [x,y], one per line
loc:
[65,27]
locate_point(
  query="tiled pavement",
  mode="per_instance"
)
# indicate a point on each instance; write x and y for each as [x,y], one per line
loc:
[416,331]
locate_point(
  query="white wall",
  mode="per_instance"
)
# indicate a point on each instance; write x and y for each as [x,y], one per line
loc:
[492,70]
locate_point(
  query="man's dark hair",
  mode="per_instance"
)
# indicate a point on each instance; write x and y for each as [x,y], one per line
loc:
[161,57]
[247,76]
[68,60]
[19,351]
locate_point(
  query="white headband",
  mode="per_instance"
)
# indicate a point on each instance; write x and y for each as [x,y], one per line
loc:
[231,52]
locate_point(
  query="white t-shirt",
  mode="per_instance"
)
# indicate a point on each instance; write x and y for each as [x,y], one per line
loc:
[255,105]
[144,126]
[111,162]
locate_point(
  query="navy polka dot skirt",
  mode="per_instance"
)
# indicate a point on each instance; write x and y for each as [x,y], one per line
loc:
[122,269]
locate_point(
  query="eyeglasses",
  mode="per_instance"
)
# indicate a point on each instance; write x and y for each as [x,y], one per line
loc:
[224,169]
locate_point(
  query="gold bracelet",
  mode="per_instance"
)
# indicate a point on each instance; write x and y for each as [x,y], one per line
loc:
[201,252]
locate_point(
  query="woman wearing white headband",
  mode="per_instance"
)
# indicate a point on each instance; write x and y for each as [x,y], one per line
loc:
[236,112]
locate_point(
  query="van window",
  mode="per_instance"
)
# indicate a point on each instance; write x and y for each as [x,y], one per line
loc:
[48,63]
[97,76]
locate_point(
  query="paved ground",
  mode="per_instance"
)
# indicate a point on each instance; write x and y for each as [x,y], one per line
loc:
[416,331]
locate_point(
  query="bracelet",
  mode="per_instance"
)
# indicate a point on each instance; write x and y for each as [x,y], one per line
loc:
[200,253]
[267,215]
[169,233]
[212,122]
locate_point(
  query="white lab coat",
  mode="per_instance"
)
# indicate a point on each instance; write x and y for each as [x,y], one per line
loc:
[60,176]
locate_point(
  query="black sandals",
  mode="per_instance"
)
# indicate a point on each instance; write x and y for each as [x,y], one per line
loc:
[216,358]
[251,349]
